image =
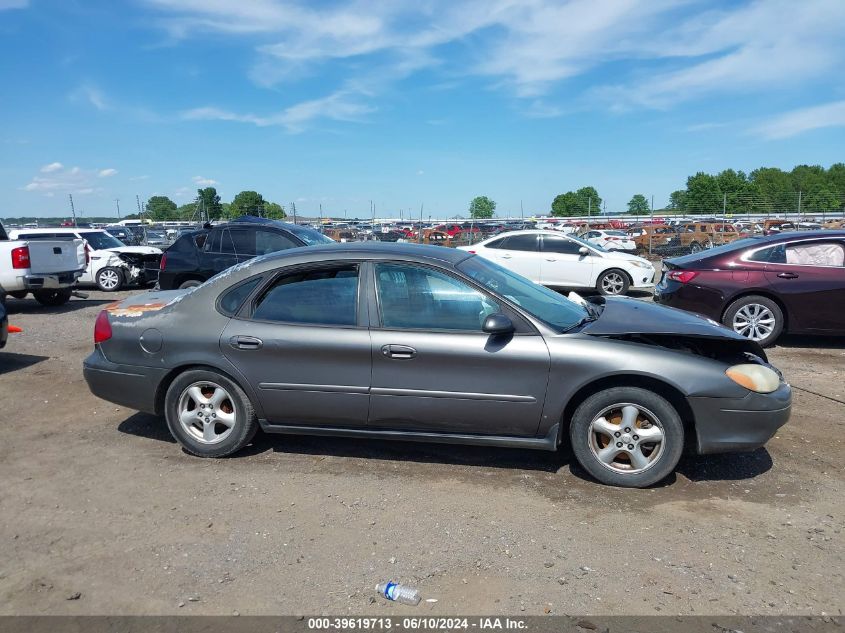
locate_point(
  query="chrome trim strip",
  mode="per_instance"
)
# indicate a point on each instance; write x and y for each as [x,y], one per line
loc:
[459,395]
[292,386]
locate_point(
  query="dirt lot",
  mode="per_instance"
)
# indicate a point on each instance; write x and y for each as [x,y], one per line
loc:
[102,513]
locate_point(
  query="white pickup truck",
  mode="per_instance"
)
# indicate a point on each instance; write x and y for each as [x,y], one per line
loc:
[47,269]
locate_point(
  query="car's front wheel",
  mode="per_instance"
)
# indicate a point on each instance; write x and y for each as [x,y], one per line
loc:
[755,317]
[208,414]
[612,282]
[627,436]
[109,279]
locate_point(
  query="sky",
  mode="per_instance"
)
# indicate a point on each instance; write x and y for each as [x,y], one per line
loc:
[407,104]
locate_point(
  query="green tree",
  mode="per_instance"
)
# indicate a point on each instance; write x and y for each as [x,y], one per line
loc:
[638,205]
[775,189]
[274,211]
[248,203]
[187,211]
[703,194]
[582,202]
[209,203]
[590,200]
[821,199]
[160,208]
[678,200]
[481,207]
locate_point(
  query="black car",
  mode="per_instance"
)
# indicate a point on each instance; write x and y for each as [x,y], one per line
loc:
[199,255]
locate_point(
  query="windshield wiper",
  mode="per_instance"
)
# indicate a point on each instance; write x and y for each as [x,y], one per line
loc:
[583,321]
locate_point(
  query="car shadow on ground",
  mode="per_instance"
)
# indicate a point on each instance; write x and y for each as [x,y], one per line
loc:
[728,467]
[31,306]
[9,361]
[806,341]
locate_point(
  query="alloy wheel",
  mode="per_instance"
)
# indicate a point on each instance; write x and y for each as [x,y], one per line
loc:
[626,438]
[613,283]
[754,321]
[207,412]
[109,279]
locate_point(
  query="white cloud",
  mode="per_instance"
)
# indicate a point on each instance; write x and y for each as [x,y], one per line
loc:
[55,178]
[92,95]
[798,121]
[342,105]
[203,182]
[671,50]
[105,173]
[13,4]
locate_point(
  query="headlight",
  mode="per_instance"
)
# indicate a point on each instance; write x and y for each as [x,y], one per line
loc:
[641,264]
[754,377]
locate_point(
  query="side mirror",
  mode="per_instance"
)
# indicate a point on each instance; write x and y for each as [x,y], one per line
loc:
[584,250]
[497,324]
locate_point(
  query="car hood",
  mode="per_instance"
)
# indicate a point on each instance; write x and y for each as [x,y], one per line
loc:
[625,317]
[625,256]
[139,250]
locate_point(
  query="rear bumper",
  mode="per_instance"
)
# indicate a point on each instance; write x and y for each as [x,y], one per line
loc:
[4,331]
[127,385]
[690,297]
[725,425]
[50,281]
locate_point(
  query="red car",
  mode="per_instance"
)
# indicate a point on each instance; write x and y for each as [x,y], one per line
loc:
[454,229]
[763,286]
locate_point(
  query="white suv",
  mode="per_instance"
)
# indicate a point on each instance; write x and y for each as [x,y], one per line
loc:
[111,264]
[565,261]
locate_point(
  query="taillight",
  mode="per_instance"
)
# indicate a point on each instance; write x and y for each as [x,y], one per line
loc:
[102,327]
[473,252]
[20,257]
[683,276]
[163,262]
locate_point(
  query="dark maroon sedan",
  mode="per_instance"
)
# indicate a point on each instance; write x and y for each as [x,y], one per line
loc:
[763,286]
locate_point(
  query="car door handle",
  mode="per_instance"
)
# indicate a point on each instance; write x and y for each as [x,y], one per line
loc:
[551,259]
[245,342]
[787,275]
[399,352]
[506,256]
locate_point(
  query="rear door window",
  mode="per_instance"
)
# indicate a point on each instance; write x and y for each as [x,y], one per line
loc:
[327,295]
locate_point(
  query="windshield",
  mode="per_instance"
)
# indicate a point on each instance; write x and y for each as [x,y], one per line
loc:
[554,309]
[620,233]
[586,243]
[100,240]
[309,236]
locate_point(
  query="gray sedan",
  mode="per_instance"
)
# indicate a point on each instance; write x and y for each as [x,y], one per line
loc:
[426,343]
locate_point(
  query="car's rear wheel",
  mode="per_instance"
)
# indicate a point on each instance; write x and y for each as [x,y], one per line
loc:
[613,282]
[627,436]
[695,247]
[191,283]
[109,279]
[209,414]
[755,317]
[52,298]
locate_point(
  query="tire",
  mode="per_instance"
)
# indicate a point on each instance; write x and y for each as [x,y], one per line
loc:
[613,282]
[52,298]
[191,283]
[19,294]
[695,247]
[755,317]
[110,279]
[648,462]
[190,393]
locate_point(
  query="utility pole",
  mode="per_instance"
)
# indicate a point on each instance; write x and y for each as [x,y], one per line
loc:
[321,217]
[117,204]
[419,232]
[72,210]
[521,211]
[799,206]
[138,202]
[293,208]
[724,205]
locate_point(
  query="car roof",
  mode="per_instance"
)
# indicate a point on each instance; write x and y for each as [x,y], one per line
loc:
[60,229]
[373,250]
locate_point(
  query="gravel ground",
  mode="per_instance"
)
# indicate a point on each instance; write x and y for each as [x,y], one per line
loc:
[102,513]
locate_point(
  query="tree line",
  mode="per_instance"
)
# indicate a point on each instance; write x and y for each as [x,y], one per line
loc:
[208,204]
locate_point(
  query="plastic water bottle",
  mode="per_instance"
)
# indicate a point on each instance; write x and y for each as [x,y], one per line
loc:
[399,593]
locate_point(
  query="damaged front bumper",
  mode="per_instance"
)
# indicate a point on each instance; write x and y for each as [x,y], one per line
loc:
[725,425]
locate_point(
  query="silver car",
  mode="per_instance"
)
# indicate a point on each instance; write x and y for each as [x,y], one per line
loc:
[411,342]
